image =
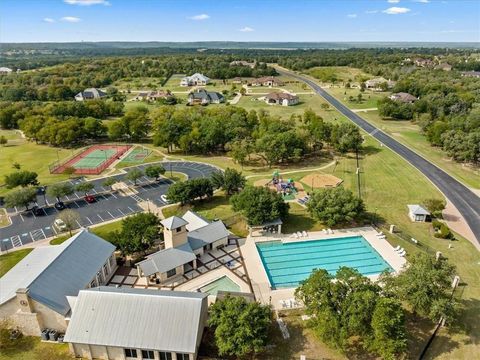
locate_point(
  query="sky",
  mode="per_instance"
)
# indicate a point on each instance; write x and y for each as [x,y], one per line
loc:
[239,20]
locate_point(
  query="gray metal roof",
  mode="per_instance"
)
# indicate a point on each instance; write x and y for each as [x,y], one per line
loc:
[53,273]
[194,220]
[417,210]
[138,318]
[173,222]
[167,259]
[207,234]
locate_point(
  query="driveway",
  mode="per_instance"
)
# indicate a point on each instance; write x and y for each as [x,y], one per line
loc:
[27,228]
[467,202]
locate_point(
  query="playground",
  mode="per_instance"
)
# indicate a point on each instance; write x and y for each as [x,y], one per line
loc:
[289,189]
[92,160]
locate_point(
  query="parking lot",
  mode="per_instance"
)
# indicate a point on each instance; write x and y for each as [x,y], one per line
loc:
[27,227]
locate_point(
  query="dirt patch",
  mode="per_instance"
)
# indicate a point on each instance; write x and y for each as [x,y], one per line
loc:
[321,180]
[262,182]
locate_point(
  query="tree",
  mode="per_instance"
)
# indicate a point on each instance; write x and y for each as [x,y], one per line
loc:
[138,233]
[59,190]
[241,327]
[154,171]
[259,205]
[345,137]
[69,170]
[110,182]
[187,191]
[21,197]
[231,181]
[3,140]
[426,286]
[70,218]
[21,178]
[133,175]
[335,205]
[435,206]
[85,187]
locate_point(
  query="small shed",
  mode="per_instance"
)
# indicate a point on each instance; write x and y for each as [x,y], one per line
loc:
[418,213]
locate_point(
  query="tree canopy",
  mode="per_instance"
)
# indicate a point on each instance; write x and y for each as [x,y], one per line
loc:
[21,197]
[60,190]
[21,178]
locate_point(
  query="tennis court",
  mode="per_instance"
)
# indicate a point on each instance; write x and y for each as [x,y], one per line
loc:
[92,160]
[137,155]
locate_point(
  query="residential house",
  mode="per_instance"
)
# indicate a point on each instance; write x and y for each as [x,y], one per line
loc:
[5,70]
[90,94]
[185,238]
[243,63]
[377,84]
[152,95]
[267,81]
[194,80]
[475,74]
[125,323]
[418,213]
[424,62]
[204,97]
[403,97]
[444,67]
[279,98]
[33,294]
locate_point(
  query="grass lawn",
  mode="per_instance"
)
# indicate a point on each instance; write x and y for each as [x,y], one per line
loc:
[340,73]
[30,156]
[175,176]
[410,135]
[31,348]
[4,220]
[369,101]
[7,261]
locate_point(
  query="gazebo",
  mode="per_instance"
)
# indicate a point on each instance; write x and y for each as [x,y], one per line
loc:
[273,227]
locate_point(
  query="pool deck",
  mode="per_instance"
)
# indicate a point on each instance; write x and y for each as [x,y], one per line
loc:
[258,275]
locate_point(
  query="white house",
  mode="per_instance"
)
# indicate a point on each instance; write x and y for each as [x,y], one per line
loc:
[90,94]
[5,70]
[195,79]
[33,294]
[125,323]
[185,238]
[418,213]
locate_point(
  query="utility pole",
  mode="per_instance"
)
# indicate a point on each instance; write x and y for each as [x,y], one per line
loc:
[358,173]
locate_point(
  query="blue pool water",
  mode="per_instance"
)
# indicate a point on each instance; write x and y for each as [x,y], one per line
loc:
[287,264]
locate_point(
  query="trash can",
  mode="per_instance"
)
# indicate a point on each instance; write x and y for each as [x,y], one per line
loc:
[44,334]
[60,338]
[53,335]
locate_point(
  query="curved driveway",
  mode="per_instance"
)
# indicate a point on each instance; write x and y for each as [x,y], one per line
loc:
[467,203]
[27,228]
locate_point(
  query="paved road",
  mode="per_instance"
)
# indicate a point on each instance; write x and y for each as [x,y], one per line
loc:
[27,228]
[467,203]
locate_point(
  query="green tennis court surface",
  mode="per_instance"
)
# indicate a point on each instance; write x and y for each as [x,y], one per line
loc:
[137,155]
[94,159]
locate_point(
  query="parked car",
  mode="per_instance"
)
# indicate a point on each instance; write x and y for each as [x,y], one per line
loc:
[89,198]
[164,198]
[60,225]
[60,205]
[38,211]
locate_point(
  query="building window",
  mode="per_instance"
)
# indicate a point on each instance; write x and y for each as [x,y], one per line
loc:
[130,353]
[182,356]
[171,273]
[165,355]
[148,354]
[179,229]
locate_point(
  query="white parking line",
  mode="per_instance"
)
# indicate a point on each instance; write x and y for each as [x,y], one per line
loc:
[115,196]
[54,230]
[100,217]
[21,217]
[79,225]
[95,191]
[121,212]
[67,197]
[16,241]
[109,213]
[7,239]
[103,189]
[74,202]
[78,197]
[86,217]
[103,196]
[131,209]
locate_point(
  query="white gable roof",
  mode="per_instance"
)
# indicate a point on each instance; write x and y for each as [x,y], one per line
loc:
[417,210]
[138,318]
[194,220]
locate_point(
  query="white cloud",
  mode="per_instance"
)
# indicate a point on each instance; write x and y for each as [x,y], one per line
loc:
[70,19]
[393,1]
[352,16]
[87,2]
[199,17]
[422,1]
[48,20]
[246,29]
[394,10]
[371,11]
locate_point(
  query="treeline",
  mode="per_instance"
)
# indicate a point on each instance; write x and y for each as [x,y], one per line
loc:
[11,113]
[62,82]
[447,111]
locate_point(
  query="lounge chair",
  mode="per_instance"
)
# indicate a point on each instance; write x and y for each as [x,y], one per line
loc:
[380,233]
[397,248]
[304,233]
[402,253]
[325,231]
[299,234]
[400,250]
[295,235]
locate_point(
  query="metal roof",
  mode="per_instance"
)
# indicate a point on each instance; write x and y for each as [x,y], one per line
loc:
[173,222]
[138,318]
[194,220]
[167,259]
[52,273]
[417,210]
[207,234]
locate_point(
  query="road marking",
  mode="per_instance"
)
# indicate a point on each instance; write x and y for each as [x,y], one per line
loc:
[100,217]
[95,191]
[86,217]
[7,239]
[131,209]
[104,198]
[21,217]
[136,198]
[113,217]
[78,197]
[44,212]
[79,225]
[115,196]
[54,230]
[67,197]
[121,212]
[74,202]
[103,188]
[16,241]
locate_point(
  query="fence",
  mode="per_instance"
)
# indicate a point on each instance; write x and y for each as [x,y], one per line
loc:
[404,236]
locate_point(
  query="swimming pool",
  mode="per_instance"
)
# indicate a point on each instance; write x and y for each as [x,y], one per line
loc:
[223,283]
[289,263]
